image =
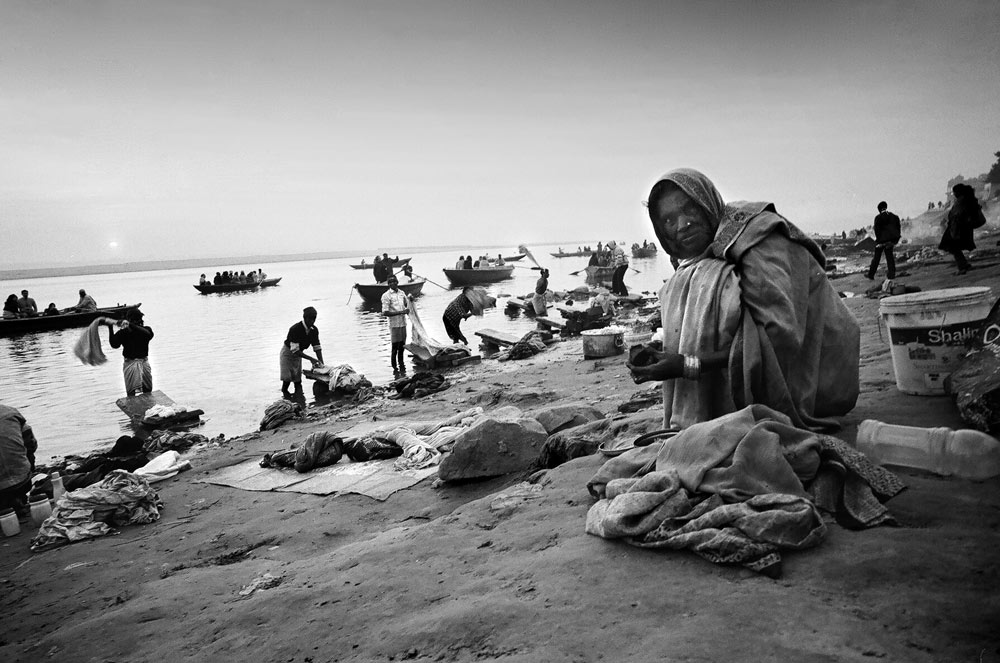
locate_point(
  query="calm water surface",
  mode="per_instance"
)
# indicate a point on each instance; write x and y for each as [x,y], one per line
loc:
[220,352]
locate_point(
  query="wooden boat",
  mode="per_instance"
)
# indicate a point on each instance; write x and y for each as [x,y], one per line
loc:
[644,251]
[371,265]
[572,254]
[14,326]
[372,292]
[513,258]
[477,276]
[235,287]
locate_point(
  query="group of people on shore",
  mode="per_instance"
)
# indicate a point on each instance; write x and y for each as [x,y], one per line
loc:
[231,277]
[25,306]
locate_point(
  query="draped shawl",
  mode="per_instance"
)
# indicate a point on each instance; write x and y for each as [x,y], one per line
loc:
[761,290]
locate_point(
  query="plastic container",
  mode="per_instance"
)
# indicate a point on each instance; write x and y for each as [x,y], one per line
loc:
[57,486]
[927,334]
[603,342]
[966,453]
[41,509]
[8,522]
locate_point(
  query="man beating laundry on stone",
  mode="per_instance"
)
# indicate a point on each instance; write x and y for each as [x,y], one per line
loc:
[300,336]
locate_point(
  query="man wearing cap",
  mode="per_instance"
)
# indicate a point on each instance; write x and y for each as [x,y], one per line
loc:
[133,337]
[887,233]
[27,306]
[395,306]
[300,336]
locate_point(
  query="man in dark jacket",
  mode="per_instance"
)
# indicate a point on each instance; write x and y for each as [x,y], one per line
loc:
[887,233]
[17,460]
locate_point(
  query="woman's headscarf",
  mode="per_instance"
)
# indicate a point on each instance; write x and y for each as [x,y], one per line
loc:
[696,185]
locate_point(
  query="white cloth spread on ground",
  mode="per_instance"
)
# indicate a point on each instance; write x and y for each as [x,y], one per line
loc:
[164,466]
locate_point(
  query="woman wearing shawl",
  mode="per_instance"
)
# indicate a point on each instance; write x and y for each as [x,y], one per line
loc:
[749,316]
[963,217]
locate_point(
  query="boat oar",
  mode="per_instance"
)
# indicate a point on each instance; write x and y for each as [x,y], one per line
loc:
[429,281]
[524,249]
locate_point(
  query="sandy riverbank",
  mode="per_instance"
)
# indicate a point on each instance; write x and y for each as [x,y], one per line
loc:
[435,574]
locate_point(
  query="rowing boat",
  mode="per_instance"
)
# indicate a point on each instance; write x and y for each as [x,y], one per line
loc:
[513,258]
[572,254]
[372,292]
[40,323]
[644,251]
[209,288]
[476,276]
[599,273]
[371,265]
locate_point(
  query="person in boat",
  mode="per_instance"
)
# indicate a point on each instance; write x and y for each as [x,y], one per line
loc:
[381,270]
[541,286]
[27,306]
[202,280]
[300,336]
[217,279]
[10,308]
[595,260]
[461,263]
[408,273]
[500,260]
[749,317]
[133,337]
[51,310]
[86,303]
[17,460]
[395,307]
[477,263]
[468,262]
[261,275]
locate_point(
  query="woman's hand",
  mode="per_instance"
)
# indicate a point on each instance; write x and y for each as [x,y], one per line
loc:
[665,366]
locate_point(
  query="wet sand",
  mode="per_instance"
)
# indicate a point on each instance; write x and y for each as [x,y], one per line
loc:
[436,574]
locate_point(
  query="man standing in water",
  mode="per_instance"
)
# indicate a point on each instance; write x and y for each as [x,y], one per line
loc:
[133,338]
[620,263]
[538,301]
[395,306]
[300,336]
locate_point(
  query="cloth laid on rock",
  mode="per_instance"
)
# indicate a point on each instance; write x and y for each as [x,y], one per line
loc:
[279,412]
[165,440]
[529,345]
[370,447]
[319,449]
[420,384]
[88,348]
[164,466]
[121,498]
[165,415]
[342,377]
[423,345]
[734,489]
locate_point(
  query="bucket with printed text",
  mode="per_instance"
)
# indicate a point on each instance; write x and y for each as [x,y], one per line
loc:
[928,332]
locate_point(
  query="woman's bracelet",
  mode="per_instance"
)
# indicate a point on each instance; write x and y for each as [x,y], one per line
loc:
[692,368]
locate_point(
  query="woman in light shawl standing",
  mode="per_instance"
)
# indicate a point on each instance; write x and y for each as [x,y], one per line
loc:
[749,316]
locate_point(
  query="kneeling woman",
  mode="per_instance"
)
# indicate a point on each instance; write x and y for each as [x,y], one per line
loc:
[749,316]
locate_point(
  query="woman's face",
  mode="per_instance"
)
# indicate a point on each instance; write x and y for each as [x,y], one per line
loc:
[681,224]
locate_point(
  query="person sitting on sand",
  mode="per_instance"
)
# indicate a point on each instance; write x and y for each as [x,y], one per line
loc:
[10,309]
[749,317]
[52,309]
[86,303]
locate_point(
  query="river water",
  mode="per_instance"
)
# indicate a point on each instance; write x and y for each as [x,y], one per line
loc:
[219,352]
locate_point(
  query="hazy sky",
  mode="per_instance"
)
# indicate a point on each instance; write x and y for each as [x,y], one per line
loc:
[154,130]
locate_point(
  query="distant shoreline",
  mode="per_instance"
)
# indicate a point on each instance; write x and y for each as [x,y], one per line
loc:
[212,264]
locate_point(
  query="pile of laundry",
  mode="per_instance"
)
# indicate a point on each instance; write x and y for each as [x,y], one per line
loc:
[420,384]
[529,345]
[165,440]
[121,498]
[279,412]
[738,489]
[340,378]
[168,415]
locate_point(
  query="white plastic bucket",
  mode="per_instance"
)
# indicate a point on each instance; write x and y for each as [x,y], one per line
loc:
[603,342]
[928,332]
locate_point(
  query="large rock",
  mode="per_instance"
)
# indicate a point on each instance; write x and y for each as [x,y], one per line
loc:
[493,447]
[560,417]
[584,440]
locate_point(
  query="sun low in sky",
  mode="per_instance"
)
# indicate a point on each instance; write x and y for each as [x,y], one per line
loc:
[196,129]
